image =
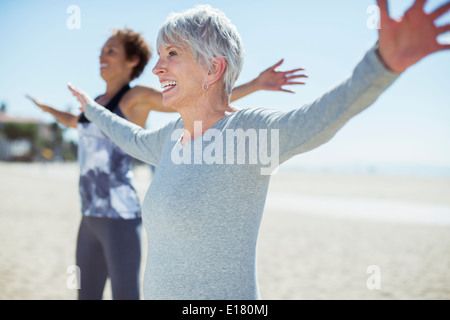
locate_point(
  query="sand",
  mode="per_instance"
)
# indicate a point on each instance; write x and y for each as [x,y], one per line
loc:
[323,236]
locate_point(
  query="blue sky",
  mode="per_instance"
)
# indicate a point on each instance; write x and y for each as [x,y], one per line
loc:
[409,125]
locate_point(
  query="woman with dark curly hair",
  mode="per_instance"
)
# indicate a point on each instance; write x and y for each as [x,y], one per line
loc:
[109,239]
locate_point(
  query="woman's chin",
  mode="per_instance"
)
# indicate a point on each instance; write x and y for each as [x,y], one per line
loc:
[104,75]
[168,103]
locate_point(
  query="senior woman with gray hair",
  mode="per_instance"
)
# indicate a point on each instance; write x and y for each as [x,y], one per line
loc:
[203,209]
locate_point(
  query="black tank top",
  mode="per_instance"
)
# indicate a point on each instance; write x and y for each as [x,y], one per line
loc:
[112,104]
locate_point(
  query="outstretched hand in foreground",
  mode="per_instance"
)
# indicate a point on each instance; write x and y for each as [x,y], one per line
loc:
[405,41]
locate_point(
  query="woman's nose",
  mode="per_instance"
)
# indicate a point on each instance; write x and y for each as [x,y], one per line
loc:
[158,68]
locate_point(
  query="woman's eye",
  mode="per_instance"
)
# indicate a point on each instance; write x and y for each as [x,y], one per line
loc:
[172,53]
[106,51]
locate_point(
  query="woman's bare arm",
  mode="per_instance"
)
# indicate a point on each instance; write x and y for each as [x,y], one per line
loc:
[66,118]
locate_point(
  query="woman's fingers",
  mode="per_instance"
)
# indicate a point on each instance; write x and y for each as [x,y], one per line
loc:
[440,11]
[293,82]
[293,71]
[82,97]
[78,92]
[276,65]
[36,102]
[296,77]
[444,29]
[74,90]
[32,99]
[384,11]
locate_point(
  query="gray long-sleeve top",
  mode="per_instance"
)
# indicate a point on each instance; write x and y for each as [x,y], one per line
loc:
[203,209]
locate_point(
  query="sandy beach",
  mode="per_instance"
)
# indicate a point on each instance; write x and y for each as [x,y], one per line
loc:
[323,236]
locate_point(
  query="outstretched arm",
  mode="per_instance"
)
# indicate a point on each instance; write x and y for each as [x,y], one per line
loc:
[131,138]
[405,41]
[66,118]
[401,44]
[270,80]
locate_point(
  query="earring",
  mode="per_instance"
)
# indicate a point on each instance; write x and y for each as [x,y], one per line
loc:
[205,87]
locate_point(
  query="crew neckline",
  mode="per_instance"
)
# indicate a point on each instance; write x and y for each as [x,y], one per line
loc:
[217,123]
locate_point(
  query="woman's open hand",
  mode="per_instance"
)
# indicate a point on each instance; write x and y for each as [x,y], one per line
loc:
[405,41]
[38,103]
[273,80]
[81,96]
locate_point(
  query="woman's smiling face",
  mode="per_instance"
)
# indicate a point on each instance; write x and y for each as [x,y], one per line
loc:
[180,76]
[113,60]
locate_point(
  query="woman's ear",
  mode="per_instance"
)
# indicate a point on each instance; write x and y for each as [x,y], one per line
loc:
[217,69]
[134,61]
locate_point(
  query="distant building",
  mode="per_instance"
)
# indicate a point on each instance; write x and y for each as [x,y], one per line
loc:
[29,139]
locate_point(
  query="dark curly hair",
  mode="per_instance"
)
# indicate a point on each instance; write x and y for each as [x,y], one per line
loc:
[135,45]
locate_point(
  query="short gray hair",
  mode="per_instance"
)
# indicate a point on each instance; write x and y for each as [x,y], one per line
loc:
[209,34]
